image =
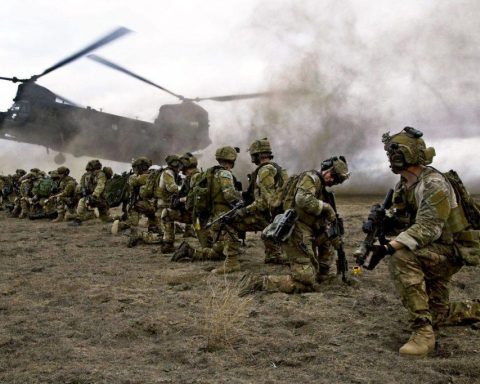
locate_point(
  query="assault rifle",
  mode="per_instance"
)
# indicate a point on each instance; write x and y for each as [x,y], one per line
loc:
[336,231]
[374,228]
[227,217]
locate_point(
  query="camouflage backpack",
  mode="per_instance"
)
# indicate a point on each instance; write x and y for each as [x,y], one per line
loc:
[285,198]
[200,195]
[148,191]
[116,189]
[43,187]
[280,180]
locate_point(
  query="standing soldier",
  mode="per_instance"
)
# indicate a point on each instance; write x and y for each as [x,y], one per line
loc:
[92,187]
[433,241]
[309,249]
[260,197]
[65,199]
[222,196]
[168,187]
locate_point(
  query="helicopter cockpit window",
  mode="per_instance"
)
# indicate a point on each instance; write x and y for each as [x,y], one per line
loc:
[19,111]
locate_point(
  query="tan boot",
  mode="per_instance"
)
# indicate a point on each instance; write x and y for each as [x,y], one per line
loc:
[421,343]
[230,265]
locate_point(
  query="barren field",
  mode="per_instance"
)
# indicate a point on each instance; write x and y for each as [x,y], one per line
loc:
[78,306]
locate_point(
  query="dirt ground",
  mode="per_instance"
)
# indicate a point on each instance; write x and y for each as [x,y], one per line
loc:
[78,306]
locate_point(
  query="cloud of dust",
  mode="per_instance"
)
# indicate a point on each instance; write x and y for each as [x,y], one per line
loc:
[423,73]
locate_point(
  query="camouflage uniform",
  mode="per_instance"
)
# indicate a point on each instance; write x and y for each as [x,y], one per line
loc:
[260,196]
[309,250]
[27,183]
[422,271]
[65,200]
[92,184]
[427,251]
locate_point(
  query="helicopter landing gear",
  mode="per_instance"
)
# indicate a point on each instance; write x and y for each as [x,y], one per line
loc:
[59,158]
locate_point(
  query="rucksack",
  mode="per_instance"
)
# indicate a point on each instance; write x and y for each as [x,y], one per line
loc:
[248,195]
[116,189]
[148,190]
[43,187]
[201,194]
[470,207]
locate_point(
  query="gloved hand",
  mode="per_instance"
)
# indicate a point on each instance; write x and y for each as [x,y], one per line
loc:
[378,253]
[328,213]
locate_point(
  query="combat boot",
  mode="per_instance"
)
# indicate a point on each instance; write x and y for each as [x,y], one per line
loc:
[230,265]
[184,253]
[421,343]
[60,218]
[167,247]
[249,283]
[134,238]
[75,223]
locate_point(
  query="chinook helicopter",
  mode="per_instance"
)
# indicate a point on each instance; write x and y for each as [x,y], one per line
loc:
[39,116]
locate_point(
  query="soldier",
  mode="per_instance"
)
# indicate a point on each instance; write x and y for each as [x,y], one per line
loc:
[433,235]
[24,200]
[168,187]
[309,250]
[65,200]
[261,196]
[14,196]
[223,196]
[92,186]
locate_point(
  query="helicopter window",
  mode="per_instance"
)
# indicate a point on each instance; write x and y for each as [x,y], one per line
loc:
[19,111]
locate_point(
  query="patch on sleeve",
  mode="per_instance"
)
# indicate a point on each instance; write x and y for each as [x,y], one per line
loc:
[225,174]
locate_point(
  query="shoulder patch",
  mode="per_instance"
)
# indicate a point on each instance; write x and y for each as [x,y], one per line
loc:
[223,173]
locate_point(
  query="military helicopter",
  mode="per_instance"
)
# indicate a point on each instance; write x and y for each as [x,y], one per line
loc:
[39,116]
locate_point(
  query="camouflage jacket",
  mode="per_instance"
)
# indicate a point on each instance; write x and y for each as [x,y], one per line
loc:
[265,184]
[224,194]
[429,209]
[309,196]
[93,183]
[67,186]
[167,186]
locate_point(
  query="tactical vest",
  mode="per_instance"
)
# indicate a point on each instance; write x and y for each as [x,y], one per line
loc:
[161,191]
[305,217]
[405,208]
[279,178]
[65,181]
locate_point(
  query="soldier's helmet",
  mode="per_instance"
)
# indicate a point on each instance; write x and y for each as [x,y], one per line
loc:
[260,146]
[189,161]
[54,174]
[338,167]
[227,153]
[20,172]
[35,170]
[407,148]
[63,171]
[108,172]
[141,163]
[93,165]
[173,161]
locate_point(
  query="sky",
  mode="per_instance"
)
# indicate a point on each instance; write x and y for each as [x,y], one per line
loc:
[372,66]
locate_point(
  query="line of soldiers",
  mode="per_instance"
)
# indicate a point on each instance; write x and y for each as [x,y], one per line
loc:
[434,231]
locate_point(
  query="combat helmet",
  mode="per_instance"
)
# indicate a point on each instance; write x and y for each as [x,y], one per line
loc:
[93,165]
[141,163]
[108,172]
[20,172]
[338,167]
[260,146]
[54,174]
[35,170]
[173,161]
[63,171]
[188,161]
[227,153]
[407,148]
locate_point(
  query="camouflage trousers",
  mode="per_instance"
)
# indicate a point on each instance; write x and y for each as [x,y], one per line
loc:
[169,217]
[254,223]
[422,279]
[309,262]
[225,244]
[146,208]
[65,204]
[85,212]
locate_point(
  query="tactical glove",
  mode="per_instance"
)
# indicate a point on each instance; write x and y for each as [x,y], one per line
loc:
[328,213]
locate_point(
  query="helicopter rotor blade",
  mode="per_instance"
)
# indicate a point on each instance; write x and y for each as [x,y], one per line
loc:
[119,68]
[13,79]
[117,33]
[249,95]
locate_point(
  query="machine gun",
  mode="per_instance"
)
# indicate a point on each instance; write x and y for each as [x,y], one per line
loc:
[336,231]
[375,229]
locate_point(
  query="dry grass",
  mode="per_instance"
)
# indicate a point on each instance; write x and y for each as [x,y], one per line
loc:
[225,314]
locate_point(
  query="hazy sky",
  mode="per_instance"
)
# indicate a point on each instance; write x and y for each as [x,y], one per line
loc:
[214,47]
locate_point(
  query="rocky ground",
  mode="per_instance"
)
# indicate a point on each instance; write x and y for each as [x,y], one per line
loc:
[78,306]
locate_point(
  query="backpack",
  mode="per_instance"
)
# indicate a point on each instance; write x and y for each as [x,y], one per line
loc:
[201,194]
[470,207]
[148,191]
[116,189]
[43,187]
[248,195]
